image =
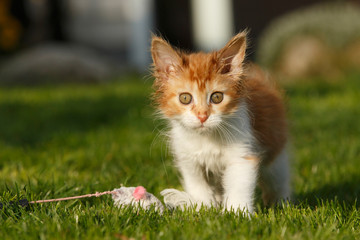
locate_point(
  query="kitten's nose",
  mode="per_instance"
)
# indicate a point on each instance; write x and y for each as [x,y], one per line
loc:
[202,117]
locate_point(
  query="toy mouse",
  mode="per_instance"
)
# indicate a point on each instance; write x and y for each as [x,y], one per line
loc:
[136,196]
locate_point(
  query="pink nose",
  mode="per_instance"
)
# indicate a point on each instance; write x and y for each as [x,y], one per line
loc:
[202,117]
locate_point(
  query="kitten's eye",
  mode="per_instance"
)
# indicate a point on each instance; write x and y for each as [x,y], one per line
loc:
[217,97]
[185,98]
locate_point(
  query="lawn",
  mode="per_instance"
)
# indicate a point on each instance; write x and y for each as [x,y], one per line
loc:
[58,141]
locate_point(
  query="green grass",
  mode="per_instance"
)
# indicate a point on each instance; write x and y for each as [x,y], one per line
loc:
[58,141]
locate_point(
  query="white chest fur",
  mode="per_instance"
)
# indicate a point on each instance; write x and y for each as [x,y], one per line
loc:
[205,150]
[194,149]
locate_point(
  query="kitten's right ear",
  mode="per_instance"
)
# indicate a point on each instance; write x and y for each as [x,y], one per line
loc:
[165,58]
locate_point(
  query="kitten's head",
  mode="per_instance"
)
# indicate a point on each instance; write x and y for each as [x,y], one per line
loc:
[198,90]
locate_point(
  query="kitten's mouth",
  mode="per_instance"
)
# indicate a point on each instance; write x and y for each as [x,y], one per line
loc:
[199,128]
[202,128]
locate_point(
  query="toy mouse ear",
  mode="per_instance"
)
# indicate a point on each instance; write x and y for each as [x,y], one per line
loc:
[165,58]
[233,54]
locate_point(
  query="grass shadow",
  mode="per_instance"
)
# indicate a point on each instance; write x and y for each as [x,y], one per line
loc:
[346,192]
[30,124]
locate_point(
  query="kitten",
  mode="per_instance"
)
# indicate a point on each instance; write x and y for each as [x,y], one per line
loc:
[228,126]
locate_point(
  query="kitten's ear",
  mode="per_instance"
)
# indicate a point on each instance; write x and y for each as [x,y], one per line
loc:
[233,54]
[165,58]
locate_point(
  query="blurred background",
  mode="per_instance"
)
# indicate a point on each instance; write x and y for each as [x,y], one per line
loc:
[93,40]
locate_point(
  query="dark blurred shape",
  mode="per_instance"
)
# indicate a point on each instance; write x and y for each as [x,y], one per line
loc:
[24,23]
[10,27]
[57,17]
[17,10]
[173,21]
[22,203]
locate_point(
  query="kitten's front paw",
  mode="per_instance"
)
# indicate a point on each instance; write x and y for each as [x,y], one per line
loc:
[239,209]
[174,198]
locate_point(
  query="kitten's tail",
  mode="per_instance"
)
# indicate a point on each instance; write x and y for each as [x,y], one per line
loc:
[174,198]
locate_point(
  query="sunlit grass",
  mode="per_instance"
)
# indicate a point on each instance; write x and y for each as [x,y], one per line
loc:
[58,141]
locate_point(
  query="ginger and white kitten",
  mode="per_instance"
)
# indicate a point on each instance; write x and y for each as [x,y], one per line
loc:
[228,126]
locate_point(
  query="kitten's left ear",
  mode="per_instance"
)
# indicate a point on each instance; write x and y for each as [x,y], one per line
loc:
[232,55]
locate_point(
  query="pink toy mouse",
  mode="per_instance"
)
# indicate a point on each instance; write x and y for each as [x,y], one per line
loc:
[136,196]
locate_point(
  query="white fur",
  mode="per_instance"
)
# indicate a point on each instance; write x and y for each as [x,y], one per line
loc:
[275,179]
[175,198]
[223,155]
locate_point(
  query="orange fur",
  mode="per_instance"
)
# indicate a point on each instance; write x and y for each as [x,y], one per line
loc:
[268,115]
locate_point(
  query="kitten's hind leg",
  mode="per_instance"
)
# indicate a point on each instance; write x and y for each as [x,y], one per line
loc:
[275,180]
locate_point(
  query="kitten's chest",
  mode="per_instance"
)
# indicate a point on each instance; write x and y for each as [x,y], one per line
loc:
[198,150]
[206,151]
[197,146]
[203,151]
